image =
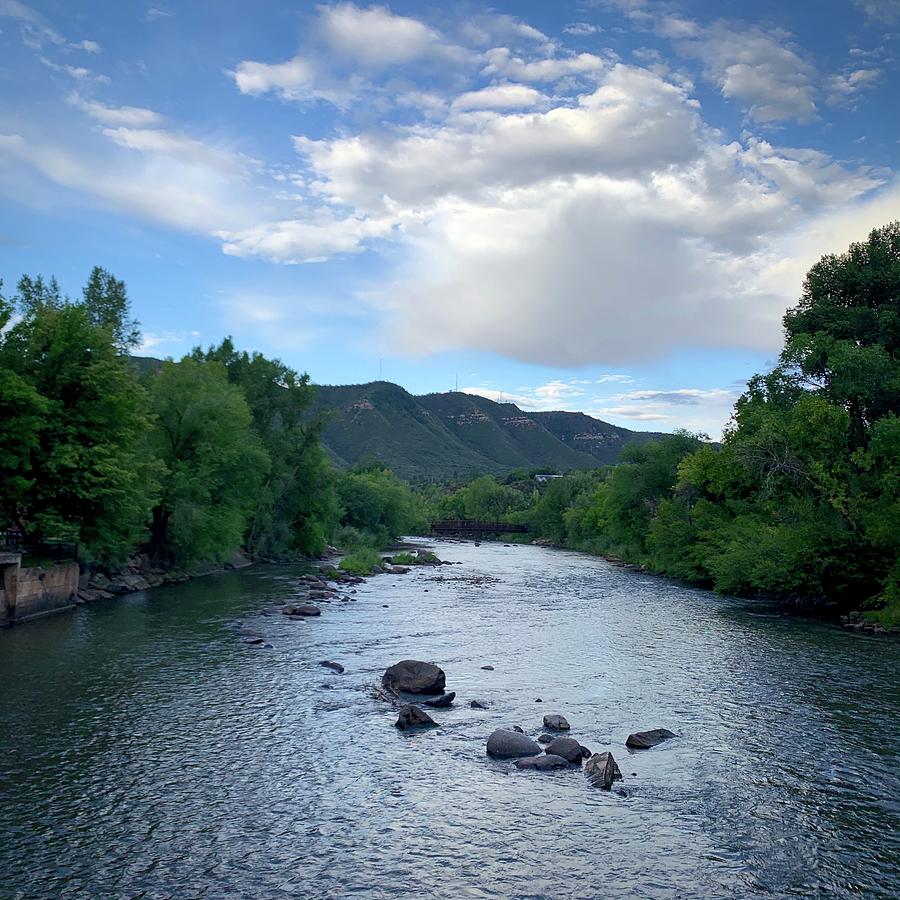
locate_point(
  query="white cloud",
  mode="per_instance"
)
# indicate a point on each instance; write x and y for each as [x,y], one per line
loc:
[501,62]
[499,96]
[131,116]
[174,189]
[628,125]
[887,11]
[761,69]
[375,36]
[581,29]
[35,29]
[292,78]
[844,88]
[310,240]
[79,73]
[154,13]
[87,46]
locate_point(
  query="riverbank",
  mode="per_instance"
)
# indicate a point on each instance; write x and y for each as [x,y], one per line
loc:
[795,604]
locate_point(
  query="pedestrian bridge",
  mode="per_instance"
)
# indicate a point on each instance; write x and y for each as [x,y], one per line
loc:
[475,527]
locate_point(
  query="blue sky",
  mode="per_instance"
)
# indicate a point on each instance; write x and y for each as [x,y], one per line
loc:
[603,206]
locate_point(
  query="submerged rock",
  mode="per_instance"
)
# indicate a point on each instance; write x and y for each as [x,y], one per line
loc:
[559,723]
[306,609]
[543,763]
[329,664]
[644,740]
[505,744]
[568,748]
[478,704]
[518,728]
[411,716]
[488,668]
[442,701]
[415,677]
[545,738]
[601,770]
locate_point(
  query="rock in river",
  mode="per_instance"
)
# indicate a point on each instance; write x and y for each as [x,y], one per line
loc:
[413,717]
[443,700]
[304,609]
[505,744]
[544,763]
[568,748]
[601,770]
[415,677]
[478,704]
[559,723]
[545,738]
[643,740]
[329,664]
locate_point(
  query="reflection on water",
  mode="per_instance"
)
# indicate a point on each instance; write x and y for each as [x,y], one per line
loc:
[147,752]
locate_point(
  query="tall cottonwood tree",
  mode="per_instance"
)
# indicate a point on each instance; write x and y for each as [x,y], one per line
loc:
[74,438]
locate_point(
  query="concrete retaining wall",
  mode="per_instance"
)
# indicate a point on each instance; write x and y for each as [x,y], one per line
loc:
[33,591]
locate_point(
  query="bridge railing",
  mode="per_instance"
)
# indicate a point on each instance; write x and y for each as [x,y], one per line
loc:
[473,526]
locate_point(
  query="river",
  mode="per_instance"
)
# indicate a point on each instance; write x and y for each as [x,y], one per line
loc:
[148,752]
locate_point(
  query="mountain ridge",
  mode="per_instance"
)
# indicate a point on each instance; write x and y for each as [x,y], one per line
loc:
[453,434]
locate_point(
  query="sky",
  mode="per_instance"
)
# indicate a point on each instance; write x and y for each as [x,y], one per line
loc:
[603,205]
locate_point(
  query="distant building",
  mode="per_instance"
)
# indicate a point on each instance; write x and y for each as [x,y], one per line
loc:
[543,479]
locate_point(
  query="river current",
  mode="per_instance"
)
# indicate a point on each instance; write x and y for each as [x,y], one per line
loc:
[145,751]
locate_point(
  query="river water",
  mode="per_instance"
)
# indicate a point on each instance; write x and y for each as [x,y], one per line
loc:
[147,752]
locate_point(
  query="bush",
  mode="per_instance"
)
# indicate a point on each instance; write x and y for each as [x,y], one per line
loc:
[361,562]
[404,559]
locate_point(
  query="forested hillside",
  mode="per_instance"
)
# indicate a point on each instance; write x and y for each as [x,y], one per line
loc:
[452,435]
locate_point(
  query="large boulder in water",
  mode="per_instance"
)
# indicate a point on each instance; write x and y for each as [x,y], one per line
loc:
[415,677]
[601,770]
[556,722]
[413,717]
[505,744]
[643,740]
[543,763]
[304,610]
[568,748]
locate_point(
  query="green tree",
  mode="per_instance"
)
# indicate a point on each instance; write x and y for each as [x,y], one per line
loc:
[296,507]
[214,463]
[84,471]
[106,301]
[373,500]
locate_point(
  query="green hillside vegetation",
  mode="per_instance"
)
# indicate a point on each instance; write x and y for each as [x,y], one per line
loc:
[440,437]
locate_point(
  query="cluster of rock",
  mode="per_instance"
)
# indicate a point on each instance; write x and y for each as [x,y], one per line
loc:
[322,589]
[600,769]
[140,574]
[412,676]
[855,622]
[426,680]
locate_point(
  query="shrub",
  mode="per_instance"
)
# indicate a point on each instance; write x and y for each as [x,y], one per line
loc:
[361,562]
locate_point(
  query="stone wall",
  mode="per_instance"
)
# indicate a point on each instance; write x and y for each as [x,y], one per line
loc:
[34,591]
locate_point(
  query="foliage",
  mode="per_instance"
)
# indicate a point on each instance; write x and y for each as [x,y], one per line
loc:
[420,558]
[215,465]
[295,508]
[375,501]
[361,562]
[74,460]
[404,559]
